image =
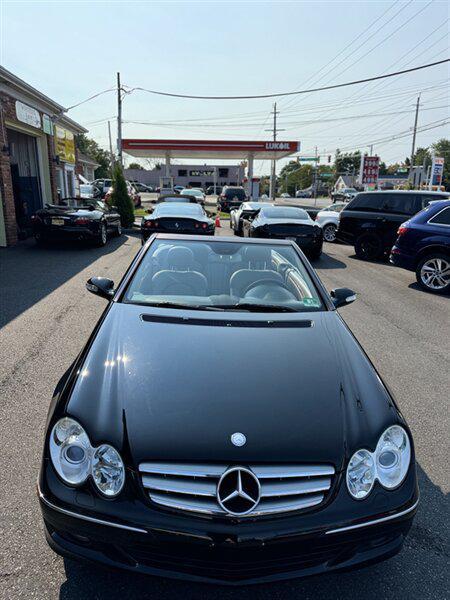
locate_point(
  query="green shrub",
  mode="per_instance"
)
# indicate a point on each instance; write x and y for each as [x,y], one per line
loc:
[121,199]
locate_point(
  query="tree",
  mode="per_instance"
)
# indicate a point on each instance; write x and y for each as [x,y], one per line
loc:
[93,150]
[120,197]
[422,157]
[295,176]
[347,163]
[135,165]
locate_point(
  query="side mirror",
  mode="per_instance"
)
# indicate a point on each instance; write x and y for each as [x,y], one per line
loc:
[342,296]
[101,286]
[149,211]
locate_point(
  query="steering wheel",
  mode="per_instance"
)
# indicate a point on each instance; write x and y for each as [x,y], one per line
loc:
[270,282]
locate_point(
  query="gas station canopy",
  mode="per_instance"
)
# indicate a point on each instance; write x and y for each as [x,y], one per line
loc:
[209,149]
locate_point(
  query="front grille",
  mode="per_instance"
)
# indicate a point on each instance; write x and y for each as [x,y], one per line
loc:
[193,487]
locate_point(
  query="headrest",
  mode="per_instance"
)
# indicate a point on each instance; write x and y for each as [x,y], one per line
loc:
[200,252]
[257,254]
[180,258]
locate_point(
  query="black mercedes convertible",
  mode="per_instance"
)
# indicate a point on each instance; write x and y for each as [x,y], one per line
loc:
[223,424]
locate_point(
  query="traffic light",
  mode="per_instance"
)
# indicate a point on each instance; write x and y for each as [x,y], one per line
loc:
[329,158]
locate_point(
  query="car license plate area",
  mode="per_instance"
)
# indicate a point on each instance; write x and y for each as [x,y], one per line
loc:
[57,222]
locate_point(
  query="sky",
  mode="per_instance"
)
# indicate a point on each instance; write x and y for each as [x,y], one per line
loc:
[71,50]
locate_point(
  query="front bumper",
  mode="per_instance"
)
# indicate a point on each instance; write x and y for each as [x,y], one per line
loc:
[135,536]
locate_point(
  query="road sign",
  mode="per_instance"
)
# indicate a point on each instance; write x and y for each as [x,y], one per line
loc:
[368,173]
[437,170]
[308,158]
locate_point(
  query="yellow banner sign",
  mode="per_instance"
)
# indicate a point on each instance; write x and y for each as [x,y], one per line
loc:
[65,145]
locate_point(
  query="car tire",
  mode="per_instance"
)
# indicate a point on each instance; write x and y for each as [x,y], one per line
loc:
[433,273]
[102,237]
[118,231]
[329,232]
[40,241]
[368,246]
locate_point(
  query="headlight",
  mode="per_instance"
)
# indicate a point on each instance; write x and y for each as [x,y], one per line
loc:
[393,455]
[108,470]
[360,474]
[75,459]
[70,451]
[389,463]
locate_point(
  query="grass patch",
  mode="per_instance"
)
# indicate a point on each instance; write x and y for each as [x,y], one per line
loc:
[140,212]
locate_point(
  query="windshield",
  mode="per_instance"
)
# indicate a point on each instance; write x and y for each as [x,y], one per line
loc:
[182,208]
[235,192]
[283,213]
[223,276]
[191,192]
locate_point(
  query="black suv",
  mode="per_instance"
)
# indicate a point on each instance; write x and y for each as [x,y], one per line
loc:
[370,221]
[231,197]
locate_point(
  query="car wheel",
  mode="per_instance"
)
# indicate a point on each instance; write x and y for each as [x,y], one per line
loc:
[433,273]
[102,235]
[40,241]
[368,246]
[329,232]
[119,229]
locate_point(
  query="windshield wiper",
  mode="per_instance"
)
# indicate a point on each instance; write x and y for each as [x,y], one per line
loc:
[253,307]
[181,305]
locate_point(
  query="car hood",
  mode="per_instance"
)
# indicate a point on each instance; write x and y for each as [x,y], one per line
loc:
[161,384]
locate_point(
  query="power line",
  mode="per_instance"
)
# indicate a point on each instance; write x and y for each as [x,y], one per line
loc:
[298,92]
[361,45]
[90,98]
[314,77]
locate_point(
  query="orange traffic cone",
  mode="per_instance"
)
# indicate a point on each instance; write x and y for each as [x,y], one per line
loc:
[217,222]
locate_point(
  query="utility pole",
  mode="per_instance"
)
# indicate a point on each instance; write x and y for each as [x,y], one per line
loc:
[119,121]
[111,155]
[315,176]
[413,149]
[371,150]
[273,172]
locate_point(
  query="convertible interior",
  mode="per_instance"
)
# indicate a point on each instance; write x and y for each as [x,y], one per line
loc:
[219,274]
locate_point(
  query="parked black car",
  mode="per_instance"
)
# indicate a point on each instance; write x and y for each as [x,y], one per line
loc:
[246,211]
[286,222]
[305,465]
[210,190]
[76,219]
[423,246]
[370,221]
[231,197]
[177,217]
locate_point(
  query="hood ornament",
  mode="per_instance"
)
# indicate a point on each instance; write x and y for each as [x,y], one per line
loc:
[238,439]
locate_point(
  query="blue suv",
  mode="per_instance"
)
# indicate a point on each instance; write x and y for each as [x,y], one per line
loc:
[423,246]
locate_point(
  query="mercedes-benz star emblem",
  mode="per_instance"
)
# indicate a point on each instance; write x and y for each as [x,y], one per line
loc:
[238,491]
[238,439]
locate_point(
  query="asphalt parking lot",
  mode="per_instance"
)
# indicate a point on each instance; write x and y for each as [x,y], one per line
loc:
[46,316]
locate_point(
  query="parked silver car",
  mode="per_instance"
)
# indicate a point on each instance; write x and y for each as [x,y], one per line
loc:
[328,219]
